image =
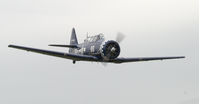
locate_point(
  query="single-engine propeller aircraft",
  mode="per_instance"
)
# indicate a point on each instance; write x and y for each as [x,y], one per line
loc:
[93,49]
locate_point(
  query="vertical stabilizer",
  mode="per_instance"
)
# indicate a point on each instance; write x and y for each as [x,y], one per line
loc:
[73,40]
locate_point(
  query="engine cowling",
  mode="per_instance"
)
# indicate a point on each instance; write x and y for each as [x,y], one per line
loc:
[110,50]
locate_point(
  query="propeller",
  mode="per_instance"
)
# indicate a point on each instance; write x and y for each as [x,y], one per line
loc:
[120,37]
[112,49]
[104,64]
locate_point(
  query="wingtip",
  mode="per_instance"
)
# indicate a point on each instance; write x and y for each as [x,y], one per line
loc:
[10,45]
[52,45]
[182,57]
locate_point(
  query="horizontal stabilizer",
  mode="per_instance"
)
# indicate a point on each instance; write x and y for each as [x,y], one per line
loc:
[69,46]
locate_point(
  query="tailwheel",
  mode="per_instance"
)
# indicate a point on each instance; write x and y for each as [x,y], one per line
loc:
[74,61]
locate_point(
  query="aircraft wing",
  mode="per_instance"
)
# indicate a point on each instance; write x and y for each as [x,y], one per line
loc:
[78,57]
[57,54]
[124,60]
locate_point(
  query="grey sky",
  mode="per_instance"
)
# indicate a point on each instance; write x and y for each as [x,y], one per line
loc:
[152,28]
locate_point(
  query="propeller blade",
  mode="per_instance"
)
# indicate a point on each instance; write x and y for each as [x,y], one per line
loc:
[104,64]
[120,37]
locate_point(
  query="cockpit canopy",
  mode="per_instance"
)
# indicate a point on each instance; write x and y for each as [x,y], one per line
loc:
[94,38]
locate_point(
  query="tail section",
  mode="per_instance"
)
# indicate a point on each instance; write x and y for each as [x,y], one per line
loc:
[73,40]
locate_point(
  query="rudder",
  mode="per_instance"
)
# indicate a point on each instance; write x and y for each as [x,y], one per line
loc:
[73,40]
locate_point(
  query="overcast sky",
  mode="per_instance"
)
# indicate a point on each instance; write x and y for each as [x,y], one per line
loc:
[152,28]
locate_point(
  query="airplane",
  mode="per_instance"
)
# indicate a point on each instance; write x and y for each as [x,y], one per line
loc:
[93,49]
